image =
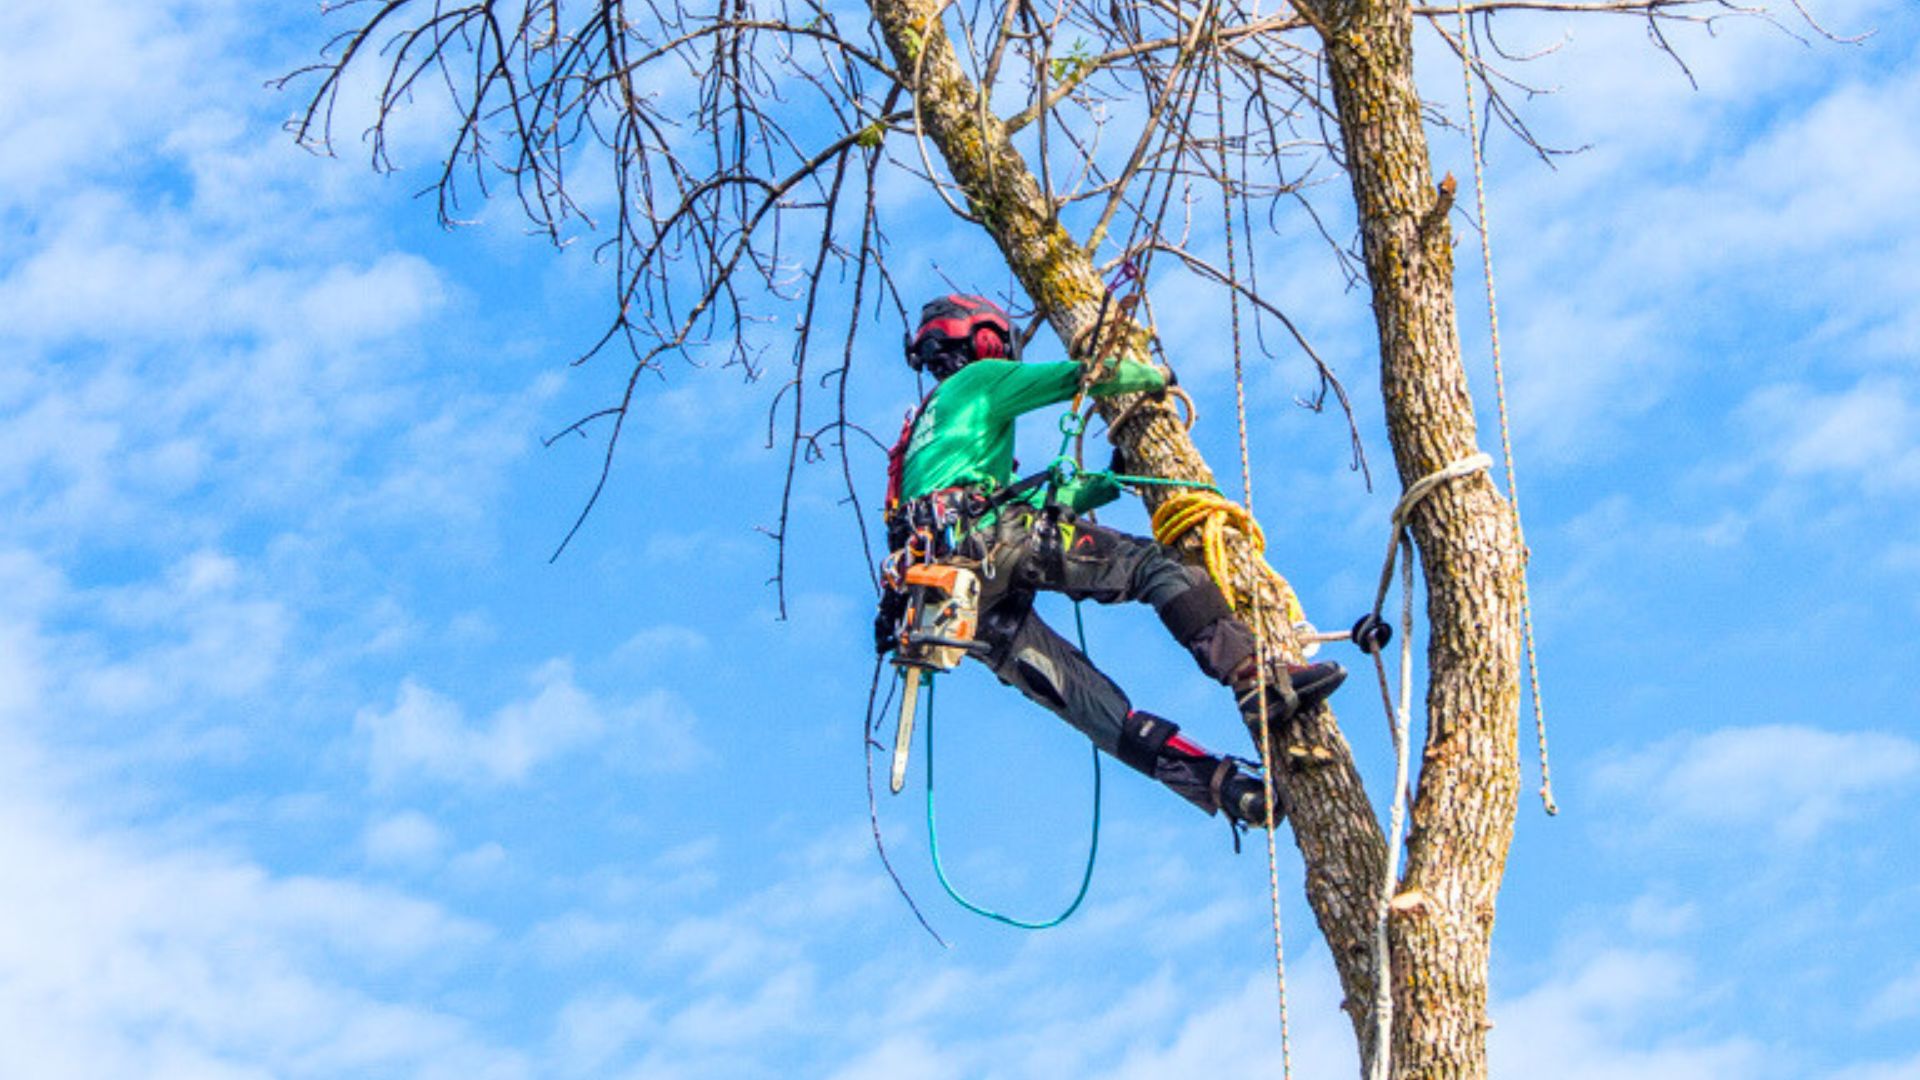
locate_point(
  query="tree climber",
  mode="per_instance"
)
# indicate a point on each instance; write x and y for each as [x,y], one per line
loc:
[951,476]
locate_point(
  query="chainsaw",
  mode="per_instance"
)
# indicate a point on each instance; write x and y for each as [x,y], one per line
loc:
[935,633]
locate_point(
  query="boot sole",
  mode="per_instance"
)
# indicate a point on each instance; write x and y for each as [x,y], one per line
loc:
[1317,691]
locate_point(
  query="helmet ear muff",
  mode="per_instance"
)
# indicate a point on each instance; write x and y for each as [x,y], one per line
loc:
[989,343]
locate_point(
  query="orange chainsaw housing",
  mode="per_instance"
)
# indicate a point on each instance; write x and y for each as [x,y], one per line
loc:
[943,602]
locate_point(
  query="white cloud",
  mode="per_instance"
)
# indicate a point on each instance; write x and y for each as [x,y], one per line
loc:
[134,952]
[593,1029]
[1764,213]
[194,308]
[1232,1033]
[1789,780]
[1868,434]
[128,956]
[94,275]
[1898,1000]
[203,632]
[1906,1069]
[87,80]
[479,863]
[660,646]
[225,642]
[901,1057]
[576,935]
[1598,1022]
[408,838]
[427,734]
[447,465]
[1651,917]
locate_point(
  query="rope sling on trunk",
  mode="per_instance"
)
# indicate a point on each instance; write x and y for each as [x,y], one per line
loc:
[1399,548]
[1400,545]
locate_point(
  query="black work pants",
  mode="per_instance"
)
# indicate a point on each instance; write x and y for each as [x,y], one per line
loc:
[1026,551]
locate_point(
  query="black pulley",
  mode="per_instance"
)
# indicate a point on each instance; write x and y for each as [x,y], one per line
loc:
[1371,633]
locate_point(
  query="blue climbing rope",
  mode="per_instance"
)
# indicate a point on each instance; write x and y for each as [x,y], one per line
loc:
[933,833]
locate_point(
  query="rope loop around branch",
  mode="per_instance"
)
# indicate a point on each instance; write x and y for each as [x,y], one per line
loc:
[1400,721]
[1417,491]
[1213,514]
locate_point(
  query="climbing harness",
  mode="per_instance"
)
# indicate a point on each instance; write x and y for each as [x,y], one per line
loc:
[936,631]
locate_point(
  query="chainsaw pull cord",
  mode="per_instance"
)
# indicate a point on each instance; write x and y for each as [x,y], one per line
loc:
[933,835]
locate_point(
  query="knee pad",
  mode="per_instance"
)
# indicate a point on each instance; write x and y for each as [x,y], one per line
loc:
[1141,739]
[1194,610]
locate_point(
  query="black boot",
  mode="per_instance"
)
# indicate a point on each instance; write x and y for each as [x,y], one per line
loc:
[1289,690]
[1242,796]
[1314,683]
[1208,781]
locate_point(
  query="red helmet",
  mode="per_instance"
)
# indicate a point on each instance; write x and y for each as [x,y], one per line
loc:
[955,331]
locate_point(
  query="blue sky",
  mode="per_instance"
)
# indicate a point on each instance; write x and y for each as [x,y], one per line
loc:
[312,765]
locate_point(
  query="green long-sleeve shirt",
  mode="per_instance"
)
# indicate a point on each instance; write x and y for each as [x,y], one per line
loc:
[964,435]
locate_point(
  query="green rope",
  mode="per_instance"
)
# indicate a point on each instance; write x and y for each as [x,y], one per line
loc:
[1158,481]
[933,833]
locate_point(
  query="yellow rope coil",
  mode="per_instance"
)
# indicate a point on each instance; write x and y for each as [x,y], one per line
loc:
[1213,514]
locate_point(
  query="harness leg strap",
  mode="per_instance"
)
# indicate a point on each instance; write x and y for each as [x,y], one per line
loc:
[1223,775]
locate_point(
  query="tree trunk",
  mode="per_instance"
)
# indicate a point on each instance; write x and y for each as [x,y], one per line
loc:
[1462,820]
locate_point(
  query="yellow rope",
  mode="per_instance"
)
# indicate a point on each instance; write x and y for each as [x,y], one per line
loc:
[1213,514]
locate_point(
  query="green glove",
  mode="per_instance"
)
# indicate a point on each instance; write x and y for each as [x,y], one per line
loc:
[1087,491]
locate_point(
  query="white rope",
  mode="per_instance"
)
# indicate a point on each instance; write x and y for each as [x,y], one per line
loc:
[1400,548]
[1269,763]
[1500,396]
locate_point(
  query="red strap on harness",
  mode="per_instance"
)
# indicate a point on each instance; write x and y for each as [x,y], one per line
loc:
[897,455]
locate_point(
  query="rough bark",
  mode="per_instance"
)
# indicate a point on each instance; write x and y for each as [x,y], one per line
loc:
[1462,817]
